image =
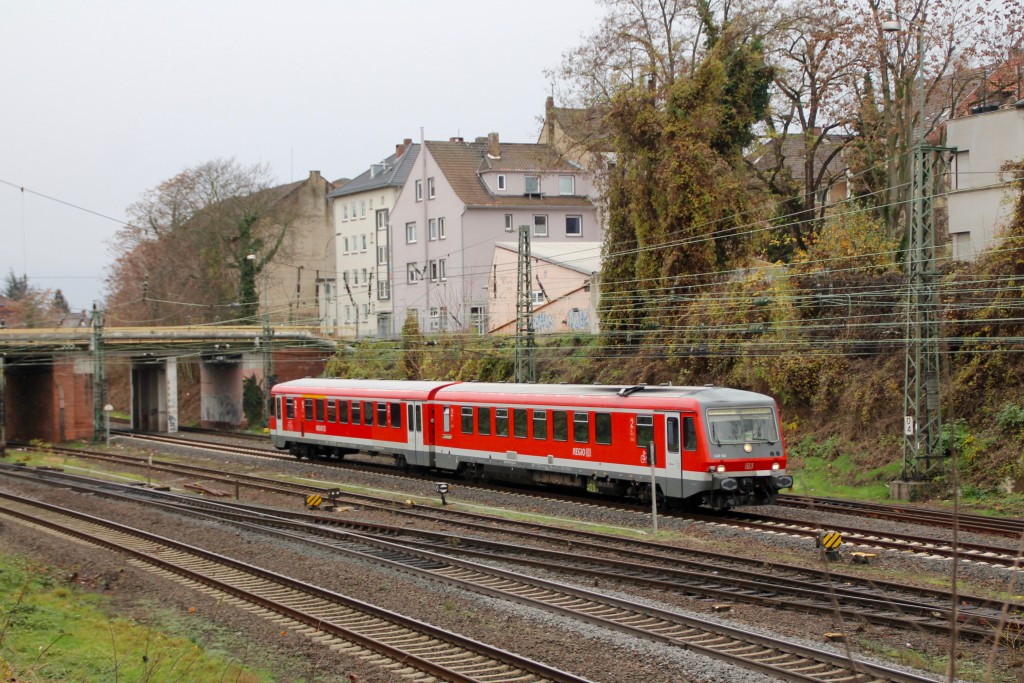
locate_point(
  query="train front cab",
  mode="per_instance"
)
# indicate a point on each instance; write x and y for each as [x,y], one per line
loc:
[747,457]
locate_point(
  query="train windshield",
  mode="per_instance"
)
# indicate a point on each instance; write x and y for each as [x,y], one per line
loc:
[742,425]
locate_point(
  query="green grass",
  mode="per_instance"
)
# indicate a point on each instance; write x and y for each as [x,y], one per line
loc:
[842,477]
[51,629]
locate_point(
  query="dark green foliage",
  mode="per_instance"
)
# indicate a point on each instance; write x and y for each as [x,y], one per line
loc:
[253,402]
[679,197]
[412,347]
[16,288]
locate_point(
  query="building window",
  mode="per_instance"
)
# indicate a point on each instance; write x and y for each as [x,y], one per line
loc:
[345,248]
[574,226]
[540,226]
[441,234]
[365,278]
[435,319]
[366,312]
[501,182]
[478,319]
[362,208]
[433,271]
[410,233]
[531,184]
[419,190]
[355,276]
[432,229]
[509,227]
[383,290]
[566,184]
[382,256]
[348,313]
[344,212]
[382,218]
[430,188]
[413,273]
[537,297]
[362,241]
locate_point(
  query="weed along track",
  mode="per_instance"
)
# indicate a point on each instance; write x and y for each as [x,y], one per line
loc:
[412,648]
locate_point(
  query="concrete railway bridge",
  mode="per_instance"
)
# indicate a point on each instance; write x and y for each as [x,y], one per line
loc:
[53,381]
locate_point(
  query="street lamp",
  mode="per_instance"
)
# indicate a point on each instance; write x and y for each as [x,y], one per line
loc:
[893,24]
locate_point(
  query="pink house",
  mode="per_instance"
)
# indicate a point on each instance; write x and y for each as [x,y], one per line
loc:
[459,201]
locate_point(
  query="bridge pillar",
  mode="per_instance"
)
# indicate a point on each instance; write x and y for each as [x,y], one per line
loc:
[154,393]
[220,379]
[49,400]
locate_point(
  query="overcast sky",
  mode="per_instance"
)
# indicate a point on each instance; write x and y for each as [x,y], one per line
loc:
[101,100]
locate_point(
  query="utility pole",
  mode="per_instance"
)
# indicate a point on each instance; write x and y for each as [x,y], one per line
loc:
[268,334]
[99,382]
[922,393]
[526,367]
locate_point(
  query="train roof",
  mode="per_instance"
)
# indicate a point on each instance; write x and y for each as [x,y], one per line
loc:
[460,391]
[638,393]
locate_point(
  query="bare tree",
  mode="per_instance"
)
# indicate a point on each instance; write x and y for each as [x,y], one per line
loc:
[184,257]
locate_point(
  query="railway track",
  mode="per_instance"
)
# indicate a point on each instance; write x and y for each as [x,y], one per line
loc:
[855,536]
[787,661]
[412,648]
[688,573]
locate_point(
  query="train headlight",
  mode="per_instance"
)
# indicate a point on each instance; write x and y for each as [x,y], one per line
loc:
[747,448]
[775,466]
[720,469]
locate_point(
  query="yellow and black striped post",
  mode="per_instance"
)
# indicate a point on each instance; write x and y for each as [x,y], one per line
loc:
[314,500]
[830,542]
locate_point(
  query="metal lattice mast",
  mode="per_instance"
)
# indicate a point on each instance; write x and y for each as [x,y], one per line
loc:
[99,382]
[526,369]
[922,391]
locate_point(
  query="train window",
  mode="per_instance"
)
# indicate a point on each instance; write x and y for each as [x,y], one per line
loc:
[332,411]
[501,421]
[519,422]
[540,424]
[396,415]
[343,412]
[644,430]
[742,425]
[559,425]
[446,413]
[356,416]
[419,419]
[307,408]
[467,420]
[581,427]
[277,408]
[368,413]
[382,414]
[289,408]
[603,428]
[689,434]
[672,434]
[319,410]
[483,421]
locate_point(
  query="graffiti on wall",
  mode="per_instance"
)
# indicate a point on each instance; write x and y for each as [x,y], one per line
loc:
[578,319]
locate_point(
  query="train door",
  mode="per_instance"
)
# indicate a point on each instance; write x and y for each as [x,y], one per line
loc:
[414,428]
[670,451]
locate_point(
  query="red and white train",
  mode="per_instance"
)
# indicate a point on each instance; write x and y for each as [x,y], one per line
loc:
[714,446]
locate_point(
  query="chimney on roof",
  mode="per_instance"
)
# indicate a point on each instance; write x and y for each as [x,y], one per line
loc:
[493,148]
[549,119]
[455,139]
[401,147]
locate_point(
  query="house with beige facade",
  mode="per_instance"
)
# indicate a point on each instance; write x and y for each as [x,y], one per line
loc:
[288,284]
[565,287]
[460,199]
[356,300]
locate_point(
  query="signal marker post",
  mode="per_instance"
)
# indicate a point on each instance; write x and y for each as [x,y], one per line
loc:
[654,486]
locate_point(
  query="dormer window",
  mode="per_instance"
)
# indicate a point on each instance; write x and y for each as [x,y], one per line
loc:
[501,182]
[531,184]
